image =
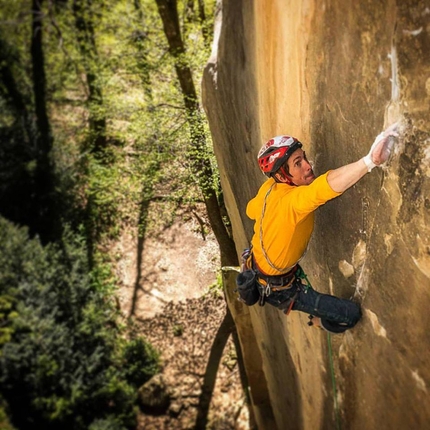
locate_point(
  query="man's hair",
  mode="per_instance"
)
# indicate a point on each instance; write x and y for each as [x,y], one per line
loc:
[286,167]
[283,175]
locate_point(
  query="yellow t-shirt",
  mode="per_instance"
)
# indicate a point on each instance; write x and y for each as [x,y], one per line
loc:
[288,221]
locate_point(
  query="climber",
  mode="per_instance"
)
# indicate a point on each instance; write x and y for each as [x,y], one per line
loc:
[283,211]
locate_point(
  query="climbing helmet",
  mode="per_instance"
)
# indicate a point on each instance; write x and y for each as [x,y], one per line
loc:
[276,152]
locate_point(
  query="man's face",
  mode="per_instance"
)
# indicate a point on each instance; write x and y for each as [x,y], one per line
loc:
[300,170]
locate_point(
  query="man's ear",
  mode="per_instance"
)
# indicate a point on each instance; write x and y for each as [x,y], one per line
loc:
[282,178]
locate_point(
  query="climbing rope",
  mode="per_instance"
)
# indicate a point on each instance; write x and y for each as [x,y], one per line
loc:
[333,381]
[269,262]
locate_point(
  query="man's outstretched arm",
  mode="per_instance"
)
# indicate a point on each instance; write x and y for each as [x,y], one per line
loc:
[346,176]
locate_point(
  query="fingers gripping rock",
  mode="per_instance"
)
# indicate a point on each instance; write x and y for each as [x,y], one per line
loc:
[382,147]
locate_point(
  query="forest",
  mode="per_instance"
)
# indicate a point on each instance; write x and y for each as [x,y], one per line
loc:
[100,117]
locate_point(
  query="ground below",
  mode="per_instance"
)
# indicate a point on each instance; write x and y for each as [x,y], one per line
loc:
[168,283]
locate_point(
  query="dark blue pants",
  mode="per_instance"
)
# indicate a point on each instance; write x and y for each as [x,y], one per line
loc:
[337,315]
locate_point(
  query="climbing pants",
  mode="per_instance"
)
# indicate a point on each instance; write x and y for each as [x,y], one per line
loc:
[337,315]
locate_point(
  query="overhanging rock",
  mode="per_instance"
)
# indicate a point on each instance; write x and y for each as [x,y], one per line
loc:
[334,74]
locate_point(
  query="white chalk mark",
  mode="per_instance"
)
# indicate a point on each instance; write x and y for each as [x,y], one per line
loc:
[395,90]
[359,254]
[377,327]
[346,268]
[423,260]
[420,381]
[330,285]
[413,32]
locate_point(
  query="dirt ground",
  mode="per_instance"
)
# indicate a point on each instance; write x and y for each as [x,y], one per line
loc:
[169,292]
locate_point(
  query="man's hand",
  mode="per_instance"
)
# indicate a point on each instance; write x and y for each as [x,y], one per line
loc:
[381,149]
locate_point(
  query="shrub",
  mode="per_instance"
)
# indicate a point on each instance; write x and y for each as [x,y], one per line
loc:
[61,358]
[141,361]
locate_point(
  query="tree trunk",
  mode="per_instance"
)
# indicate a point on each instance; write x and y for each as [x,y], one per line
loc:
[45,216]
[15,100]
[224,330]
[97,142]
[205,30]
[139,39]
[39,83]
[88,49]
[200,162]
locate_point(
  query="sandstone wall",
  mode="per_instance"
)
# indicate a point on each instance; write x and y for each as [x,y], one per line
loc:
[333,73]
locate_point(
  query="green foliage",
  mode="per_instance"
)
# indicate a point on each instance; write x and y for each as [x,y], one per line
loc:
[217,288]
[4,418]
[148,137]
[178,330]
[63,362]
[141,361]
[104,191]
[63,355]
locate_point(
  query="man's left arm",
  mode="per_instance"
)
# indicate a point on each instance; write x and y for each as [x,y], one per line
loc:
[346,176]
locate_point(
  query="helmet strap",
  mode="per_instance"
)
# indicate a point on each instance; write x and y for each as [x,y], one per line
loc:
[281,176]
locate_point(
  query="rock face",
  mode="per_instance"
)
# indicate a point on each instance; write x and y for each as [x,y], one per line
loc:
[334,74]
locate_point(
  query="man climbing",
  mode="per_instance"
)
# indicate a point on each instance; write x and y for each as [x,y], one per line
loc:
[283,211]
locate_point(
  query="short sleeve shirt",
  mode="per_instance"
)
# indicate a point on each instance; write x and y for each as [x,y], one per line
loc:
[288,221]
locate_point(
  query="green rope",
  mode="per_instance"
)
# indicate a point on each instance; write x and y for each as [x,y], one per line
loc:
[302,275]
[333,380]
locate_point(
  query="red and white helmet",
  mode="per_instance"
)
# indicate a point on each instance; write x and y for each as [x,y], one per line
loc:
[276,152]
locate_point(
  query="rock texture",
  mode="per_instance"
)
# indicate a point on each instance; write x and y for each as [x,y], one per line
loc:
[334,74]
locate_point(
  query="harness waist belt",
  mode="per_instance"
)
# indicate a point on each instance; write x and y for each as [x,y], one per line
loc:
[278,282]
[275,282]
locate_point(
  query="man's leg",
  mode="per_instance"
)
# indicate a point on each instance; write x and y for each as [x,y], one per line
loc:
[337,315]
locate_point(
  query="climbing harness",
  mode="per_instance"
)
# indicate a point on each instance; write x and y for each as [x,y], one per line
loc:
[293,290]
[269,284]
[266,285]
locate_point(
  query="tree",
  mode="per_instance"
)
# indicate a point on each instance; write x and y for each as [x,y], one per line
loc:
[18,141]
[202,170]
[100,160]
[28,191]
[198,152]
[87,45]
[64,362]
[153,165]
[34,185]
[47,225]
